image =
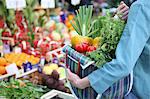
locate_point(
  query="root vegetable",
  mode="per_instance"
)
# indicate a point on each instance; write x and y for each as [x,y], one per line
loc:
[55,74]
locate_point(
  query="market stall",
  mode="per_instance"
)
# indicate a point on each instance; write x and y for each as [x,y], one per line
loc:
[31,42]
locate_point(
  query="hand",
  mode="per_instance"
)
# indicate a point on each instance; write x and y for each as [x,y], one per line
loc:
[77,81]
[124,10]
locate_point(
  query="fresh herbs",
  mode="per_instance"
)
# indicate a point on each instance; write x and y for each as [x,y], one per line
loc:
[110,30]
[17,89]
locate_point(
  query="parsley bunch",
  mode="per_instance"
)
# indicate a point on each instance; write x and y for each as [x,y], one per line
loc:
[110,30]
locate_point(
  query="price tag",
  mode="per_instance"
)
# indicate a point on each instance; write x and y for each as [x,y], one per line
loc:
[75,2]
[10,4]
[48,3]
[14,4]
[21,3]
[42,61]
[12,69]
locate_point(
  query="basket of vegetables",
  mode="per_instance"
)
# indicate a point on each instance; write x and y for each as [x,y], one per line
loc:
[92,48]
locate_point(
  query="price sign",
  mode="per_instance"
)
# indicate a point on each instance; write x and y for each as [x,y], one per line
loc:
[75,2]
[12,69]
[48,3]
[14,4]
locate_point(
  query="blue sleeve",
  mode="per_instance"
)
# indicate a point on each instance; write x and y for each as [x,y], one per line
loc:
[132,42]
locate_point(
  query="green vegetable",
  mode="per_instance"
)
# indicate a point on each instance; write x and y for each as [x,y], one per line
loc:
[110,30]
[83,21]
[14,90]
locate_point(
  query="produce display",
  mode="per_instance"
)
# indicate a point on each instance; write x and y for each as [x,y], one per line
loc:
[33,31]
[18,59]
[52,81]
[34,36]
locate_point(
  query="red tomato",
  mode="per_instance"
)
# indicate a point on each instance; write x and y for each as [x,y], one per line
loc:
[91,48]
[85,46]
[79,48]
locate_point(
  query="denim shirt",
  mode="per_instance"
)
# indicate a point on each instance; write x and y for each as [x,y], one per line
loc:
[132,54]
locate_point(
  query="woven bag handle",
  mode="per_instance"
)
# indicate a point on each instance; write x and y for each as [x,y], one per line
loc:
[131,83]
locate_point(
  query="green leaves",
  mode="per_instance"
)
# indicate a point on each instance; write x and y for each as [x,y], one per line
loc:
[13,90]
[110,30]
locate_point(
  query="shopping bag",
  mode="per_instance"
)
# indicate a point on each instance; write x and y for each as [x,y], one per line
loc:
[82,66]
